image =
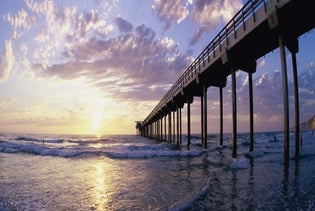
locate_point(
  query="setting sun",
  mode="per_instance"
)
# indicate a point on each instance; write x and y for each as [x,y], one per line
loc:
[96,125]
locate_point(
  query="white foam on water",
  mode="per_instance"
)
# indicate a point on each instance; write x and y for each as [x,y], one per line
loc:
[186,204]
[58,148]
[240,163]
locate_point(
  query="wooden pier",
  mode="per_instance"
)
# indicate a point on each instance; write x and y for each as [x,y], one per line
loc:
[257,29]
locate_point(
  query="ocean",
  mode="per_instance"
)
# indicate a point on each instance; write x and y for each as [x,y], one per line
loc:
[129,172]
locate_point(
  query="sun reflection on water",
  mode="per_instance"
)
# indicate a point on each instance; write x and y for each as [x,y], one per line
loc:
[100,177]
[101,181]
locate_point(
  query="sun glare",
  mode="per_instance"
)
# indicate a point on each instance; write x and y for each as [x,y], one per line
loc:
[96,124]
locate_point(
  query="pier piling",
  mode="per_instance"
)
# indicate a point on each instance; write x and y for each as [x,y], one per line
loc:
[174,126]
[177,125]
[293,46]
[285,100]
[180,125]
[165,117]
[251,113]
[204,114]
[234,115]
[188,122]
[221,116]
[201,119]
[169,126]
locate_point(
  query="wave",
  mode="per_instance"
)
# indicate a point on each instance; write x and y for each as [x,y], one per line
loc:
[118,151]
[31,139]
[123,147]
[152,154]
[45,150]
[240,163]
[187,204]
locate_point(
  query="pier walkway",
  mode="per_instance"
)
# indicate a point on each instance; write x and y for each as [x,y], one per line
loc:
[258,28]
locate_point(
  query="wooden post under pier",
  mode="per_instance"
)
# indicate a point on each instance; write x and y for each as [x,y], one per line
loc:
[188,123]
[234,115]
[204,114]
[177,125]
[201,119]
[297,108]
[161,135]
[174,125]
[165,117]
[285,100]
[251,113]
[221,116]
[180,125]
[293,46]
[169,126]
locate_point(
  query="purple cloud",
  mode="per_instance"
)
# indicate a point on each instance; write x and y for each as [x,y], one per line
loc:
[138,57]
[208,14]
[211,13]
[123,25]
[171,11]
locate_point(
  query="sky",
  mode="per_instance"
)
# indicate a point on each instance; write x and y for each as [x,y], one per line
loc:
[95,67]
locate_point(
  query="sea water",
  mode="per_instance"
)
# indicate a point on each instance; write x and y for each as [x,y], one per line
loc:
[63,172]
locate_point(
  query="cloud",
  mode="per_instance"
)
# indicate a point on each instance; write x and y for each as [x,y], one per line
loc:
[54,27]
[262,63]
[69,23]
[211,13]
[169,43]
[123,25]
[4,104]
[19,20]
[6,61]
[171,11]
[208,14]
[121,63]
[124,63]
[307,92]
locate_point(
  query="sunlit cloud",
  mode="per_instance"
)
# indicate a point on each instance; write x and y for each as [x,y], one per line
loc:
[171,11]
[262,63]
[138,56]
[211,13]
[20,21]
[6,61]
[5,103]
[207,14]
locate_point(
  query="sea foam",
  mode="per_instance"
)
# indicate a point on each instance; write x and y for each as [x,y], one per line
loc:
[240,163]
